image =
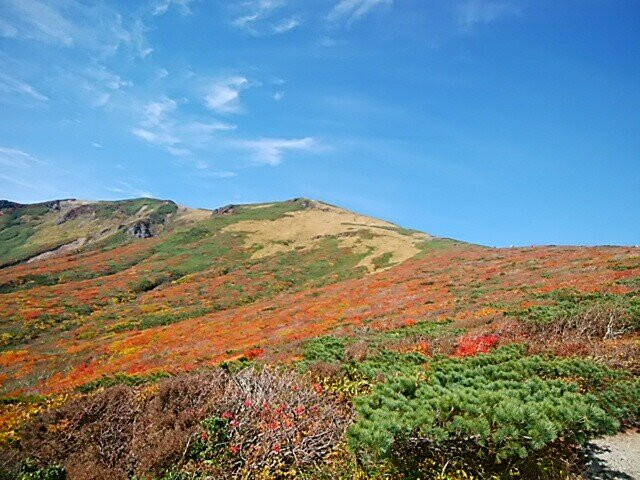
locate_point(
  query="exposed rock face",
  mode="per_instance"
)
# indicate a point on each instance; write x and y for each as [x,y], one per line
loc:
[6,204]
[304,202]
[75,213]
[226,210]
[140,230]
[53,204]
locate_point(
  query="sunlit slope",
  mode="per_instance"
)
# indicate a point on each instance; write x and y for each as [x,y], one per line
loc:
[43,230]
[189,264]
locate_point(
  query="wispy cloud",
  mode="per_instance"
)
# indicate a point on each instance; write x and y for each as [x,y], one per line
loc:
[101,83]
[10,84]
[7,30]
[20,169]
[224,95]
[348,11]
[287,24]
[160,127]
[128,189]
[472,12]
[270,151]
[254,10]
[183,7]
[279,95]
[202,173]
[96,27]
[13,157]
[256,17]
[157,127]
[40,20]
[107,78]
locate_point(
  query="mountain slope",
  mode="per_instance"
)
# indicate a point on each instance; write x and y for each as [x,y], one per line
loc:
[138,265]
[281,324]
[210,284]
[59,226]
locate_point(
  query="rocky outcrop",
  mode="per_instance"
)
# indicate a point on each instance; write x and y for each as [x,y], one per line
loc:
[76,212]
[7,204]
[53,204]
[226,210]
[303,202]
[140,229]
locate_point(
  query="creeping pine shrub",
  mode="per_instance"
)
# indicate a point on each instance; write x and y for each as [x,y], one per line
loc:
[501,411]
[324,349]
[31,472]
[594,315]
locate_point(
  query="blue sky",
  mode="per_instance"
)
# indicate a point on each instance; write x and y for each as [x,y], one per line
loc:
[492,121]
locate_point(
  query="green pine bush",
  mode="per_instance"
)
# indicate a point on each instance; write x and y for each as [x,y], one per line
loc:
[493,411]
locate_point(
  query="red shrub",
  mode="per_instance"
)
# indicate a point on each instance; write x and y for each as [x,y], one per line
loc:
[469,346]
[254,353]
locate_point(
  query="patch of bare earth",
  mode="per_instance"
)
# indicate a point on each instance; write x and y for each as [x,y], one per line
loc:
[615,457]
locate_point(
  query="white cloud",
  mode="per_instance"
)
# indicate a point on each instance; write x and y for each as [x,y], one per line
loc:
[96,144]
[270,151]
[224,95]
[349,11]
[7,30]
[279,95]
[178,152]
[254,10]
[182,6]
[13,157]
[41,20]
[156,112]
[287,24]
[106,78]
[130,190]
[160,127]
[256,17]
[216,174]
[472,12]
[138,40]
[10,84]
[94,26]
[100,99]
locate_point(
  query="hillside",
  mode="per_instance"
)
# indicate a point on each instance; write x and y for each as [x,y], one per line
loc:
[95,294]
[117,268]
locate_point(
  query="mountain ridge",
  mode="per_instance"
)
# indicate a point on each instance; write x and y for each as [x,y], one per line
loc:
[93,221]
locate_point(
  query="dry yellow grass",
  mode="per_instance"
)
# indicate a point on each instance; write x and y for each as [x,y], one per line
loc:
[306,228]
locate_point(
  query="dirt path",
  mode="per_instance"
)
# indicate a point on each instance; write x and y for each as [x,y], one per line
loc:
[616,457]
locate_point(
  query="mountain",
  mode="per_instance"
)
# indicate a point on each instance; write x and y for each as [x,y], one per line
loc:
[93,270]
[43,230]
[94,294]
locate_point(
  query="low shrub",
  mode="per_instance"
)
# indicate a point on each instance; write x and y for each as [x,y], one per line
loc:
[468,346]
[501,412]
[30,471]
[215,423]
[594,315]
[269,423]
[121,379]
[324,349]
